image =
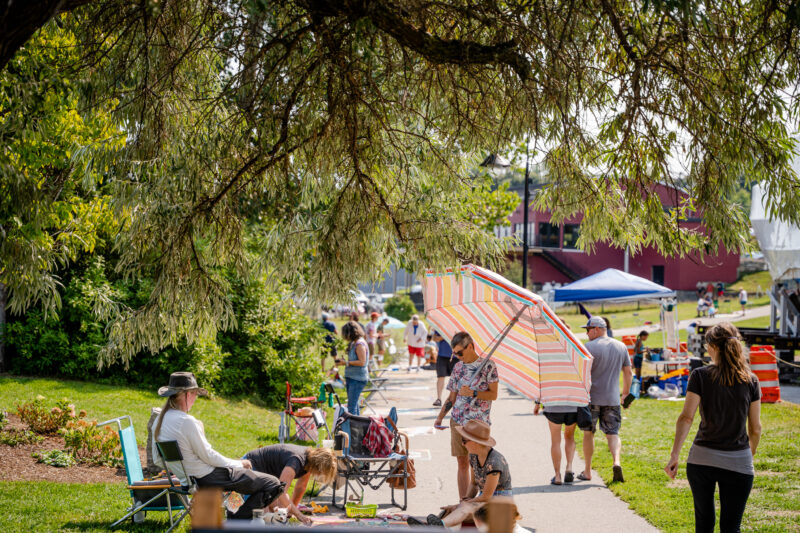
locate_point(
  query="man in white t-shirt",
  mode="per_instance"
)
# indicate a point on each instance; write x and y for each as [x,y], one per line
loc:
[415,337]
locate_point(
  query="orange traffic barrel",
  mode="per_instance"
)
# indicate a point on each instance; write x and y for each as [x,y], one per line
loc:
[764,365]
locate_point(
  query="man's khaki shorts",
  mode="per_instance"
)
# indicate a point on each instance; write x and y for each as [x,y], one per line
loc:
[457,448]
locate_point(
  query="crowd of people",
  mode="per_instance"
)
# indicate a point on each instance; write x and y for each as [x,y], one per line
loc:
[725,392]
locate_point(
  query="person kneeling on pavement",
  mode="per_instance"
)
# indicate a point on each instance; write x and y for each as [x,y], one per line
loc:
[290,462]
[490,476]
[200,461]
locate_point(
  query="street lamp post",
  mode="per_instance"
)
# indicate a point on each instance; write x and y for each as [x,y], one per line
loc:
[526,200]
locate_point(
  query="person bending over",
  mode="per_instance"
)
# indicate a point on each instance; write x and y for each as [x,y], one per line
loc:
[489,476]
[200,461]
[290,462]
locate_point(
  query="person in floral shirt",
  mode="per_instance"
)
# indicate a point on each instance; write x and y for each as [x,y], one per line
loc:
[468,400]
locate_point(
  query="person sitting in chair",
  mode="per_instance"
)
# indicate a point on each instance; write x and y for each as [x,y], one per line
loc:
[290,462]
[490,476]
[200,461]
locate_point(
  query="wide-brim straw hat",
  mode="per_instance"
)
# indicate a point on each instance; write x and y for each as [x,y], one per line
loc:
[179,382]
[477,431]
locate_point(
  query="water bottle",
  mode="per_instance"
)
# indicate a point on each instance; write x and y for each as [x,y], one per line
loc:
[636,387]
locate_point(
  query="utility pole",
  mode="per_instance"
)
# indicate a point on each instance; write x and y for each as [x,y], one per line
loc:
[526,202]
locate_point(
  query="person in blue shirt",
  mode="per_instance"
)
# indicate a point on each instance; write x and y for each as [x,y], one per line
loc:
[444,365]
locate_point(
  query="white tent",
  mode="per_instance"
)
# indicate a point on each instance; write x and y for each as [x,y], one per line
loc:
[779,240]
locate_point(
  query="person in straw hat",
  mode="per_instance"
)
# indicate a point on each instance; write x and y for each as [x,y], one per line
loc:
[490,476]
[200,461]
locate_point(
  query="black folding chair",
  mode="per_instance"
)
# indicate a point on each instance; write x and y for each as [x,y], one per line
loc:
[358,465]
[172,456]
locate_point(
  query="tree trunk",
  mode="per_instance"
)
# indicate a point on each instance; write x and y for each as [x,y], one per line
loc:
[2,327]
[19,20]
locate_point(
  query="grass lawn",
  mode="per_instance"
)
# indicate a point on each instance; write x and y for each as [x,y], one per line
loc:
[232,427]
[647,432]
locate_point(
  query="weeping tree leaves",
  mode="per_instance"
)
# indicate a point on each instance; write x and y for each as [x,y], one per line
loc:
[344,130]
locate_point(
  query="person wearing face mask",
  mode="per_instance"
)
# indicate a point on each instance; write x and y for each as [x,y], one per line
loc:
[728,396]
[208,467]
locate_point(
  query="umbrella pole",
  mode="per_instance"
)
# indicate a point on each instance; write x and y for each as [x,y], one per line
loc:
[503,335]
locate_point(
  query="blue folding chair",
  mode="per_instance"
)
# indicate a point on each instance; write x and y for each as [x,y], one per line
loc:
[146,495]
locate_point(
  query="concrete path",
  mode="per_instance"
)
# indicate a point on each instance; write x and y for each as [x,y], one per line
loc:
[524,440]
[756,312]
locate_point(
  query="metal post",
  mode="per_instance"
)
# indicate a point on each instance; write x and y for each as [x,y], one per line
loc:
[525,202]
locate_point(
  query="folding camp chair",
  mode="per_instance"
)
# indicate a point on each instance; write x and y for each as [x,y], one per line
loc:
[181,487]
[301,433]
[150,495]
[357,464]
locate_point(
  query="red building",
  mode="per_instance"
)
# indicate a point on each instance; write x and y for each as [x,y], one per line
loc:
[553,255]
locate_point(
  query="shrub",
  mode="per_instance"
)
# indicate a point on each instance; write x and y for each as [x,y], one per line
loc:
[47,421]
[58,458]
[400,307]
[15,437]
[3,419]
[89,444]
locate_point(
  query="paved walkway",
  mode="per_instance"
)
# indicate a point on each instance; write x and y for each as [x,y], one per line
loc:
[756,312]
[524,440]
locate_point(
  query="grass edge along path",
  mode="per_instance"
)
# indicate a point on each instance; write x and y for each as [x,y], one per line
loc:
[647,432]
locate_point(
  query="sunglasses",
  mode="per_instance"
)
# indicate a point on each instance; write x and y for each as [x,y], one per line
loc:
[458,353]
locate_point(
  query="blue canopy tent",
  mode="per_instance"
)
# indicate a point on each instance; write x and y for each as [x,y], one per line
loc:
[614,285]
[611,284]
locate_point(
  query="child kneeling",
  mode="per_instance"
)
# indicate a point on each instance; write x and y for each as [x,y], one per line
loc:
[489,476]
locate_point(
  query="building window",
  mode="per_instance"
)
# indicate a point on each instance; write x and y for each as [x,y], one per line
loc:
[503,231]
[658,274]
[548,235]
[571,234]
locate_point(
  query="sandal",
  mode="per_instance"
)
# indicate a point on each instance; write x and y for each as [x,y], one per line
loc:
[437,403]
[415,522]
[569,477]
[583,478]
[554,482]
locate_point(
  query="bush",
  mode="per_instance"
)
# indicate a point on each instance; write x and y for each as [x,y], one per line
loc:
[57,458]
[47,421]
[3,419]
[89,444]
[400,307]
[274,341]
[15,437]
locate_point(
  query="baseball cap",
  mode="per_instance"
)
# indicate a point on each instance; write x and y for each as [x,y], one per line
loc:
[595,322]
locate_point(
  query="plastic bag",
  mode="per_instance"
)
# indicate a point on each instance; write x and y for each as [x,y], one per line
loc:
[671,390]
[654,391]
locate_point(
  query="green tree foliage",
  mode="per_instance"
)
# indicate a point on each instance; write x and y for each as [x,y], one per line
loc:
[51,204]
[400,307]
[345,129]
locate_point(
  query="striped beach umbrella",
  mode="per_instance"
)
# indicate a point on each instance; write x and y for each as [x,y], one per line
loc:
[535,353]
